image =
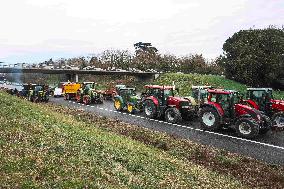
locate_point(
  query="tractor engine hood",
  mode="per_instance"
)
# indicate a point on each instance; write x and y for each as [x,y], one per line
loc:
[177,99]
[281,102]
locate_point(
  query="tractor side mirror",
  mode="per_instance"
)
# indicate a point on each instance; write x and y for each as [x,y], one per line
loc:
[177,89]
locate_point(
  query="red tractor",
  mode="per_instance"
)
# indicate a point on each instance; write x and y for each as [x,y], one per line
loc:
[224,109]
[159,101]
[262,99]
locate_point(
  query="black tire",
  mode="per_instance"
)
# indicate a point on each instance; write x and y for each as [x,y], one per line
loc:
[210,114]
[67,97]
[150,109]
[35,99]
[247,128]
[267,120]
[275,122]
[173,115]
[30,98]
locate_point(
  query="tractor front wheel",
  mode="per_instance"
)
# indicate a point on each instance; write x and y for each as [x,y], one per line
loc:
[209,119]
[130,108]
[117,104]
[173,115]
[150,109]
[247,128]
[86,99]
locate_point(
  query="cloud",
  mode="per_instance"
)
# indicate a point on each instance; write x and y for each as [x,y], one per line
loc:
[87,26]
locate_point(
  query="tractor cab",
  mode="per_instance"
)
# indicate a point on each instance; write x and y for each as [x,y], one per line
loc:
[225,99]
[260,98]
[199,95]
[161,93]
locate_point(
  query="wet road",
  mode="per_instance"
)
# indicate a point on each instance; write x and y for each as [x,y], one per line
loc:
[268,148]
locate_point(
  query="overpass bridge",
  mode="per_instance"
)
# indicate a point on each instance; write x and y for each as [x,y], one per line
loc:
[73,75]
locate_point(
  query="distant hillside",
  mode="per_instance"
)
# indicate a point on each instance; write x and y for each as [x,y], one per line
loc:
[185,81]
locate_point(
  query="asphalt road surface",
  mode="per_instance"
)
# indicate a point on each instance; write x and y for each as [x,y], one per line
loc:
[268,147]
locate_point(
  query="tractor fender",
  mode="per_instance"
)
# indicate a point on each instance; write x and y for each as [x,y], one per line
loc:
[215,106]
[251,103]
[154,99]
[119,98]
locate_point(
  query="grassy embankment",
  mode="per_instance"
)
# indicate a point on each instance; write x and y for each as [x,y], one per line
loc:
[53,146]
[40,147]
[185,81]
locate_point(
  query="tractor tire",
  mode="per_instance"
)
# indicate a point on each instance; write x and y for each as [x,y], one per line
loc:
[35,99]
[209,119]
[150,109]
[130,108]
[247,128]
[117,104]
[263,131]
[86,99]
[278,120]
[30,98]
[173,115]
[67,97]
[78,98]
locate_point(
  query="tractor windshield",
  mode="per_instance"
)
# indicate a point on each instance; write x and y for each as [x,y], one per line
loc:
[260,96]
[38,88]
[89,86]
[168,92]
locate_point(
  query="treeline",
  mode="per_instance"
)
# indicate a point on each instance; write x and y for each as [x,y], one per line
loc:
[254,57]
[143,60]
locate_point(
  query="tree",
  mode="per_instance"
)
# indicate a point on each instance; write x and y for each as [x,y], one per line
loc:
[255,56]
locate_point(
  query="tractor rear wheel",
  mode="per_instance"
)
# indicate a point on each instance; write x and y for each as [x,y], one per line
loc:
[150,109]
[117,104]
[173,115]
[247,128]
[278,120]
[209,119]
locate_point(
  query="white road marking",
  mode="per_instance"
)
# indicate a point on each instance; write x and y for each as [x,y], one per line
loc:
[195,129]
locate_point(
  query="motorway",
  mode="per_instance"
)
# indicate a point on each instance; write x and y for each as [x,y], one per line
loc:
[268,148]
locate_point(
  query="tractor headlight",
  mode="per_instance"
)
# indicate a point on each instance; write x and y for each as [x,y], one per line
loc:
[258,117]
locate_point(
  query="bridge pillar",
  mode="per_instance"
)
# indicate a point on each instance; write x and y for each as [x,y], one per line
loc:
[72,77]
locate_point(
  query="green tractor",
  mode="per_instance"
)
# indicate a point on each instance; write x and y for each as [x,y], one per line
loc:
[127,98]
[38,93]
[88,94]
[199,96]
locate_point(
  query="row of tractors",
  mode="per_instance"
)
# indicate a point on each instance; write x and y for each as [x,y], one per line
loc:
[215,108]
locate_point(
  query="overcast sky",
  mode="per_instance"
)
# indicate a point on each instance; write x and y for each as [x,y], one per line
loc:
[36,30]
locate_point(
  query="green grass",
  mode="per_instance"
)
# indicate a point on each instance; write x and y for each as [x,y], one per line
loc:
[44,148]
[185,81]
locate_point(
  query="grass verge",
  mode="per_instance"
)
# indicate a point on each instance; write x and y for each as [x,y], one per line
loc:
[42,145]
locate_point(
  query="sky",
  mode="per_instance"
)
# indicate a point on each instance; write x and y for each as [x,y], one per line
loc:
[36,30]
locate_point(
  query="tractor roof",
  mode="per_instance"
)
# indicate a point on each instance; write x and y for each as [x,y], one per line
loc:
[259,89]
[127,88]
[88,82]
[201,87]
[221,91]
[158,87]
